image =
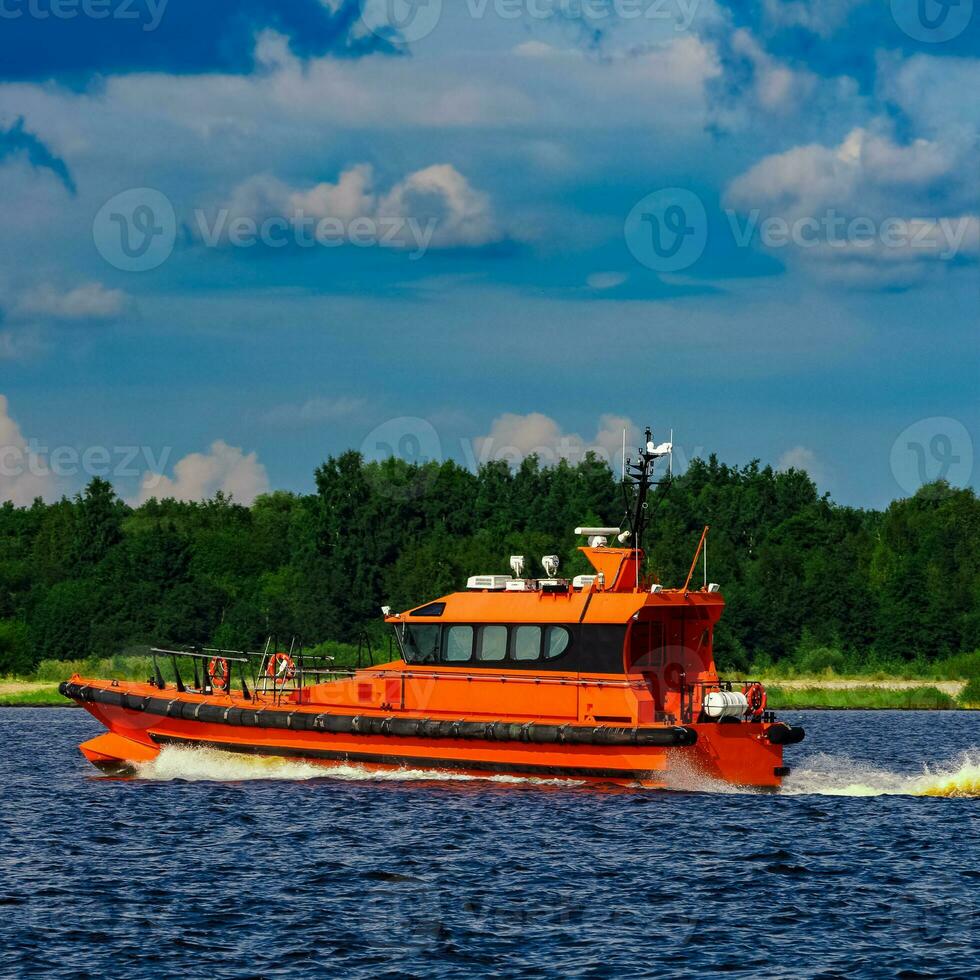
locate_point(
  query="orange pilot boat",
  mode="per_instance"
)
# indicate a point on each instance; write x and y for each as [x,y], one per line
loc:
[606,677]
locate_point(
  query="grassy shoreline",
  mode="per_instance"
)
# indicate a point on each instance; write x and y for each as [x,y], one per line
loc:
[923,697]
[28,694]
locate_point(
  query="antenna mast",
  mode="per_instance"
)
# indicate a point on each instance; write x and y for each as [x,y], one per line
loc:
[640,474]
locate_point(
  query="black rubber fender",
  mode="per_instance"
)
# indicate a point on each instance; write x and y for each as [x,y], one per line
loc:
[394,726]
[782,734]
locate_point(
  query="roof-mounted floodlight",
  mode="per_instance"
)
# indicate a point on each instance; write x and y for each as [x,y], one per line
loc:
[550,564]
[517,565]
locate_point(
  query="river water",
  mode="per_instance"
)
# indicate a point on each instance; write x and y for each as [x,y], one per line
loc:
[867,863]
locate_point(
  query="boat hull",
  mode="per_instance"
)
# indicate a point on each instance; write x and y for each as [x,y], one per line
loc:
[142,720]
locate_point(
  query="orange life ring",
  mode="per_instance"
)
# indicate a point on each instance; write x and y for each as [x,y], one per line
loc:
[220,673]
[755,694]
[281,667]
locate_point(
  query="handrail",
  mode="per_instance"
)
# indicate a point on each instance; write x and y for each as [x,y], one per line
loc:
[515,678]
[697,554]
[207,655]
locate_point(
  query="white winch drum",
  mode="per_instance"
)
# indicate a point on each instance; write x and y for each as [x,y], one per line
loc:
[725,704]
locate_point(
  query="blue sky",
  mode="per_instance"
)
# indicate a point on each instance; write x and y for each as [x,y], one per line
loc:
[239,237]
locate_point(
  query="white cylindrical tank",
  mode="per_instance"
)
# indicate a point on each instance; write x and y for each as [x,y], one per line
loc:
[725,704]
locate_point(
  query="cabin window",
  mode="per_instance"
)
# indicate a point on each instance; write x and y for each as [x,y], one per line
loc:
[526,643]
[420,644]
[458,644]
[493,643]
[432,609]
[556,640]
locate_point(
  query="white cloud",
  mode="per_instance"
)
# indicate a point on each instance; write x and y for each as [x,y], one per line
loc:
[512,437]
[538,49]
[23,475]
[821,17]
[606,280]
[776,87]
[351,197]
[91,301]
[199,476]
[863,172]
[313,411]
[868,211]
[442,193]
[437,197]
[930,90]
[802,458]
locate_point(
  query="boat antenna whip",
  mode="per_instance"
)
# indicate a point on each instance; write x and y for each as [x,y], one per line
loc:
[639,476]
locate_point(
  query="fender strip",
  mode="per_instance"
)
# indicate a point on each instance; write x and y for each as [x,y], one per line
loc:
[386,726]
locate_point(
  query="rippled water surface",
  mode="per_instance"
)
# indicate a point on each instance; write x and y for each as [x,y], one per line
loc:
[207,865]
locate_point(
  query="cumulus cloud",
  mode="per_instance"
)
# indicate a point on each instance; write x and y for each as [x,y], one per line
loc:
[23,474]
[437,203]
[91,301]
[199,476]
[869,210]
[442,193]
[866,170]
[802,458]
[513,437]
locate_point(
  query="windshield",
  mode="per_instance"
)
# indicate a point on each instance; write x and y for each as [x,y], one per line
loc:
[420,644]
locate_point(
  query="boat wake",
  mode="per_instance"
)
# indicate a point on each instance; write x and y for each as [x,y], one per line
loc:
[829,775]
[823,775]
[192,764]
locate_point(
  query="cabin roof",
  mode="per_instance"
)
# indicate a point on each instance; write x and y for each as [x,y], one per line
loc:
[573,606]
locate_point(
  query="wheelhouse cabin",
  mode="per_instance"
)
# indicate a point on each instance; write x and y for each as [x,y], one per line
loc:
[604,648]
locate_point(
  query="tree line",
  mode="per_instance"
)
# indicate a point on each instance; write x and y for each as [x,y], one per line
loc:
[91,575]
